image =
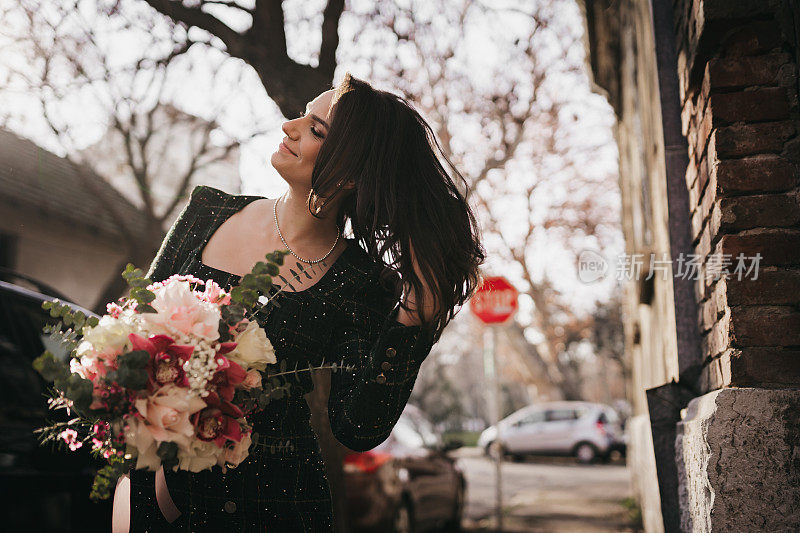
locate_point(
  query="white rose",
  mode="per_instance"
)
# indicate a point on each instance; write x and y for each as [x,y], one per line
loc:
[108,338]
[199,456]
[253,348]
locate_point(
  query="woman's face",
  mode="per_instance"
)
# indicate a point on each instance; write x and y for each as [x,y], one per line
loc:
[304,136]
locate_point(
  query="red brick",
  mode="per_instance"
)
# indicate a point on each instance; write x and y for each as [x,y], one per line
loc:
[687,116]
[702,174]
[764,366]
[752,40]
[749,139]
[716,373]
[712,309]
[707,200]
[760,211]
[718,338]
[691,172]
[778,247]
[703,133]
[760,173]
[764,326]
[772,287]
[758,105]
[734,72]
[698,221]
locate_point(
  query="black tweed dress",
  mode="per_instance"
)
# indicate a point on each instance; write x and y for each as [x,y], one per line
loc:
[346,315]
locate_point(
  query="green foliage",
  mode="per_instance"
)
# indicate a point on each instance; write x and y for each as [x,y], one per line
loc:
[79,391]
[50,368]
[131,371]
[75,320]
[105,480]
[138,288]
[252,286]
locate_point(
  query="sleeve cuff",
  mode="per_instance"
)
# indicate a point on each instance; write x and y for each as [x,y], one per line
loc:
[401,349]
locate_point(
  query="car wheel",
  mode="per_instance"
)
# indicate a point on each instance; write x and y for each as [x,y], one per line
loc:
[495,449]
[454,524]
[487,450]
[403,519]
[586,453]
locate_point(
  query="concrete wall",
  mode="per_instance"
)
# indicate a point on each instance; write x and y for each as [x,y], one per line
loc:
[738,461]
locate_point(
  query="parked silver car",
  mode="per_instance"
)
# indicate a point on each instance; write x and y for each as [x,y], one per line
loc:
[589,431]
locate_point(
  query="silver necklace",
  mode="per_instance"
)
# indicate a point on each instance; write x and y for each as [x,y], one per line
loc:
[309,261]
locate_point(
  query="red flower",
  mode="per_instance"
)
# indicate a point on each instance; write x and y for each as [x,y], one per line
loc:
[218,423]
[229,374]
[166,359]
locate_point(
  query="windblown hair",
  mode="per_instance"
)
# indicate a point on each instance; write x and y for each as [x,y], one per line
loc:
[403,197]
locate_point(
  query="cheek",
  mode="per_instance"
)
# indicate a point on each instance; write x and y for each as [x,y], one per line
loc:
[310,153]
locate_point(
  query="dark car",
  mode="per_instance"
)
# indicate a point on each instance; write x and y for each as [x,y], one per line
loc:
[407,483]
[41,489]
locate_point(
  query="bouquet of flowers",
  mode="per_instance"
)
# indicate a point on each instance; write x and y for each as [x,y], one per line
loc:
[168,377]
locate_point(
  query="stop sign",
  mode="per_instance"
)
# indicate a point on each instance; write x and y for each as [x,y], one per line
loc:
[495,301]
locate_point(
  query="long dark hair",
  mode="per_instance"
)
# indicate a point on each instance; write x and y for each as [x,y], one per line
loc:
[403,197]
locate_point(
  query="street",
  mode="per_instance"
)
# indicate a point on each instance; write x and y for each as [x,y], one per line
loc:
[548,495]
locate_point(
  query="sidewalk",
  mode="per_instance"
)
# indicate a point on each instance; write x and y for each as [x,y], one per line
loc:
[548,495]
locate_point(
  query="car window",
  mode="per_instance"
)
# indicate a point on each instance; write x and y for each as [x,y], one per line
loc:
[532,418]
[554,415]
[21,341]
[611,416]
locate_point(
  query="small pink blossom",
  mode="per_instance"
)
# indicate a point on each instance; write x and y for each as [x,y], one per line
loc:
[70,436]
[114,309]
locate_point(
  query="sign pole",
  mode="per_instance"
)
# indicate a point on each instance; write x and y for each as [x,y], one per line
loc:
[496,408]
[494,303]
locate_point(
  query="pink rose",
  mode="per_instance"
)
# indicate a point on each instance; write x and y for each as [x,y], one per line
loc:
[252,380]
[177,306]
[167,414]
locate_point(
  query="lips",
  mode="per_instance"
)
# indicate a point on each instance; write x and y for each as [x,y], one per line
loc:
[283,144]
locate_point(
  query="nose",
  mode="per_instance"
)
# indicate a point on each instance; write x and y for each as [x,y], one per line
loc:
[289,128]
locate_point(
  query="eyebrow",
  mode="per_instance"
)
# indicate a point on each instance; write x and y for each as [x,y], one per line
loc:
[316,118]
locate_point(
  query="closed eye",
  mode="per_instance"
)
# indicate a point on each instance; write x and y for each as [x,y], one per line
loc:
[313,130]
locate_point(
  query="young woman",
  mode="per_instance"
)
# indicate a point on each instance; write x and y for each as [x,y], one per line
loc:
[357,155]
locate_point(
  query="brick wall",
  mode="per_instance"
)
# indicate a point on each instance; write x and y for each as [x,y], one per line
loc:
[738,76]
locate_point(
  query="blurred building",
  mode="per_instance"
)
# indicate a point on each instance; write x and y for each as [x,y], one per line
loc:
[706,97]
[59,220]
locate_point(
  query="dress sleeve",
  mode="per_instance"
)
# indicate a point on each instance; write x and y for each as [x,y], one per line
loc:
[181,237]
[385,355]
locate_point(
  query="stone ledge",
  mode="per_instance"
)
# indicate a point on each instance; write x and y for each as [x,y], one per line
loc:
[738,459]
